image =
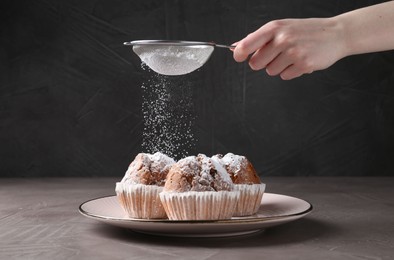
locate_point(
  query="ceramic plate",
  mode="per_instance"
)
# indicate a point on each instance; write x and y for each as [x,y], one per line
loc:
[275,210]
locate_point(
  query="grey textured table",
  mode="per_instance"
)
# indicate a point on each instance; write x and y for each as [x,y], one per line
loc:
[353,218]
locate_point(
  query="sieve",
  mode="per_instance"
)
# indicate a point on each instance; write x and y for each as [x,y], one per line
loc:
[174,57]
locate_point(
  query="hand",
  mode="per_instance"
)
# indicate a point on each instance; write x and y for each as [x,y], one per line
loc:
[293,47]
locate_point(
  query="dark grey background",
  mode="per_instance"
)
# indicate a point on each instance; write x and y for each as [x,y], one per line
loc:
[70,92]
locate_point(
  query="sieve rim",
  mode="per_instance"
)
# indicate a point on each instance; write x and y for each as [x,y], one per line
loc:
[168,43]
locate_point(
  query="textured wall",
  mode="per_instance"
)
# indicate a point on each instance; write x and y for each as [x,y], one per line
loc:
[70,92]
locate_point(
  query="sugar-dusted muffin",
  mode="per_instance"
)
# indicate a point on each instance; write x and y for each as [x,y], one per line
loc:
[245,180]
[139,189]
[198,188]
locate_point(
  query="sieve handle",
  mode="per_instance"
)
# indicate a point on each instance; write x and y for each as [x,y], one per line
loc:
[225,46]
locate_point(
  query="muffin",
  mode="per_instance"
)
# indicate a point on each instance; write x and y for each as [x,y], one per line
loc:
[138,191]
[245,180]
[198,188]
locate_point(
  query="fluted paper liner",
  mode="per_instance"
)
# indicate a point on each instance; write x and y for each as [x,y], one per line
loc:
[140,201]
[250,198]
[205,205]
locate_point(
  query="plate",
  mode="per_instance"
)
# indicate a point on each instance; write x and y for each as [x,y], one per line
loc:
[275,210]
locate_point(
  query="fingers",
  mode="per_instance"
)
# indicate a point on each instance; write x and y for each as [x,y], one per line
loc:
[288,63]
[291,72]
[263,56]
[279,64]
[252,43]
[285,47]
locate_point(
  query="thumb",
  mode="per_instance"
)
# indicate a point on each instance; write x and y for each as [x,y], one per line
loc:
[233,44]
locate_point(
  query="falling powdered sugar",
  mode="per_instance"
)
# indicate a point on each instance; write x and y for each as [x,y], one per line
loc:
[168,116]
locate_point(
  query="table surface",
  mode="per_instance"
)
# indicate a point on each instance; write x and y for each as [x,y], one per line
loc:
[353,218]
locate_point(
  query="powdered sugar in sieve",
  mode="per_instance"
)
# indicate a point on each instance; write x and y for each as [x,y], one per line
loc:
[173,60]
[174,57]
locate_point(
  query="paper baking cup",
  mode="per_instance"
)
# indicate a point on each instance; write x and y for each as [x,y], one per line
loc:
[140,201]
[205,205]
[249,199]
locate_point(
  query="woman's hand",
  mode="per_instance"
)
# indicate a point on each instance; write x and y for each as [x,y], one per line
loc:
[292,47]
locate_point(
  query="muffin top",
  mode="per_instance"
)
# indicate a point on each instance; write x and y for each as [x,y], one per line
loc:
[198,173]
[148,169]
[239,167]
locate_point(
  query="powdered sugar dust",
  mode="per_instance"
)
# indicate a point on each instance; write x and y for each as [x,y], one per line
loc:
[168,114]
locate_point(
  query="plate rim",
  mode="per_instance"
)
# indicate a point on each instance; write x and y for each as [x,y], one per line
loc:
[237,220]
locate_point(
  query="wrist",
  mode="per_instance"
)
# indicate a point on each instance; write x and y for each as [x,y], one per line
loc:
[341,37]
